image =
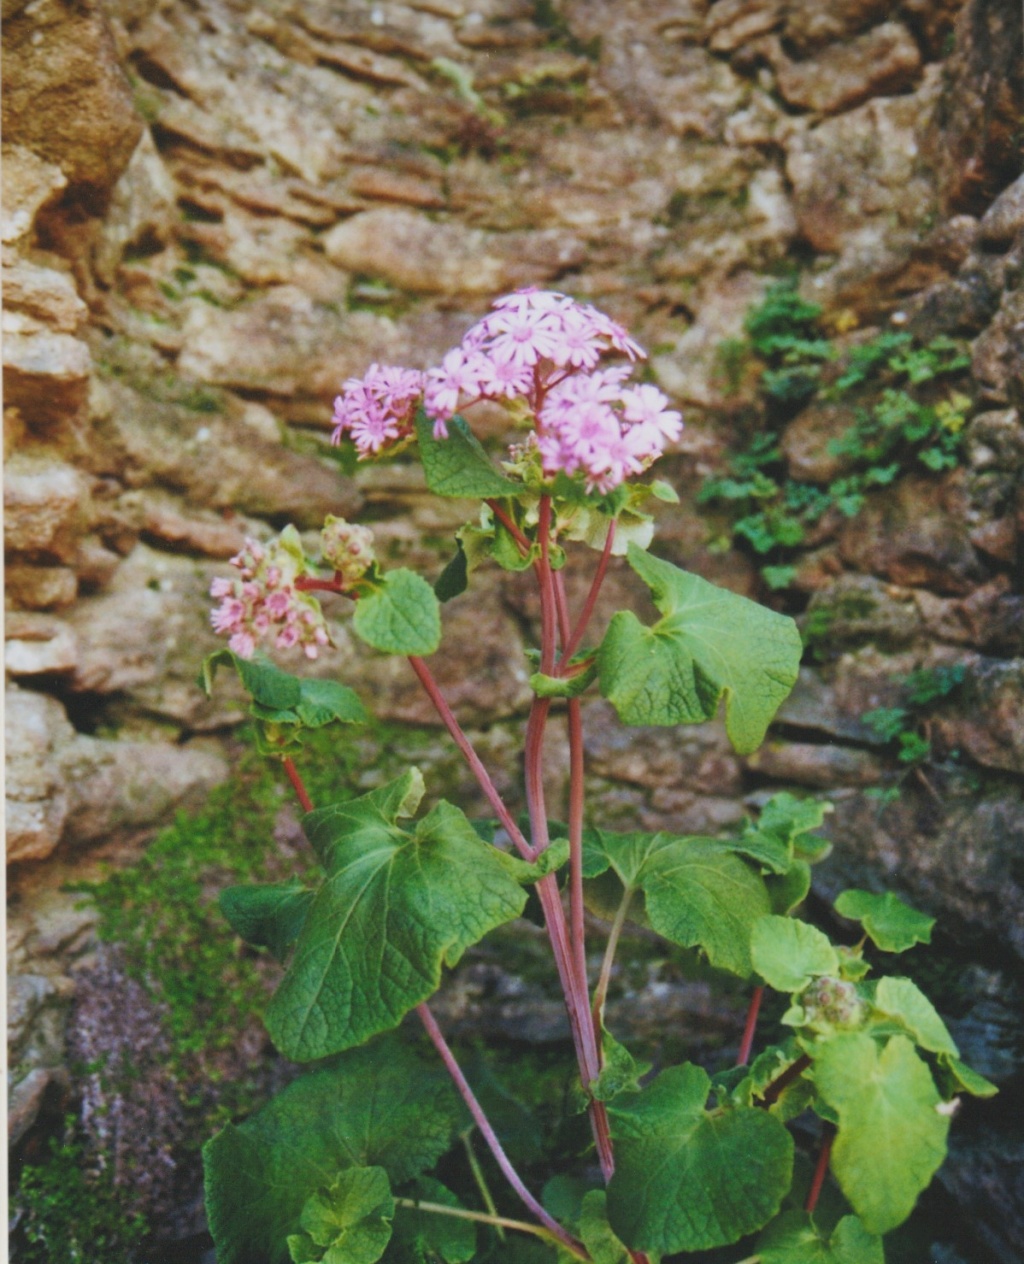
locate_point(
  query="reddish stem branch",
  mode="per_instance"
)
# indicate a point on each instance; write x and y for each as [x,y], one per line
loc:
[489,1135]
[572,642]
[776,1088]
[747,1043]
[821,1168]
[297,784]
[509,525]
[483,777]
[308,583]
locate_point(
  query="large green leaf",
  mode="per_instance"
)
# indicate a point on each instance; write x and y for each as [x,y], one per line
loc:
[891,1137]
[394,907]
[401,616]
[350,1223]
[698,892]
[598,1236]
[903,1001]
[709,643]
[378,1106]
[788,953]
[891,924]
[688,1179]
[269,915]
[794,1239]
[458,466]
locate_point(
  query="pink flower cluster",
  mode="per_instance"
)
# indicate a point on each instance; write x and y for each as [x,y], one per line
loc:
[263,600]
[377,410]
[537,350]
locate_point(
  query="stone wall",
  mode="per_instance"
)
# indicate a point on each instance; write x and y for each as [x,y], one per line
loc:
[214,212]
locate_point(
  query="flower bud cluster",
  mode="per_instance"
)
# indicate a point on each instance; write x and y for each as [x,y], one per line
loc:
[832,1003]
[263,601]
[538,353]
[346,546]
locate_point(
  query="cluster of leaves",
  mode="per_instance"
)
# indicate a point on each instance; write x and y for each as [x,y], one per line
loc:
[902,726]
[65,1214]
[901,420]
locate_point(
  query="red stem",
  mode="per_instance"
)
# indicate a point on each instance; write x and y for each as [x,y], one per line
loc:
[775,1089]
[308,583]
[472,758]
[297,784]
[489,1135]
[572,642]
[509,525]
[821,1169]
[747,1043]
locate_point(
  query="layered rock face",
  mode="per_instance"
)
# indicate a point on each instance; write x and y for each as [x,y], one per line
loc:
[215,212]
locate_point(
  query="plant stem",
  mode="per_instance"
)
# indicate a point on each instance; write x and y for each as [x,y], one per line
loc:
[297,784]
[601,991]
[572,642]
[747,1043]
[821,1168]
[793,1072]
[509,525]
[483,777]
[499,1222]
[489,1135]
[478,1176]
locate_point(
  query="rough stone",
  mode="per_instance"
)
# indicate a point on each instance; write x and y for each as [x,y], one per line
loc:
[1003,222]
[732,23]
[37,803]
[985,720]
[810,25]
[29,184]
[426,257]
[863,187]
[807,438]
[881,62]
[956,858]
[812,764]
[859,608]
[44,646]
[45,506]
[221,460]
[44,293]
[65,95]
[974,133]
[143,212]
[40,587]
[997,355]
[915,535]
[46,374]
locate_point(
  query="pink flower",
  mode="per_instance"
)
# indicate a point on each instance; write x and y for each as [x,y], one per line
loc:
[378,409]
[264,600]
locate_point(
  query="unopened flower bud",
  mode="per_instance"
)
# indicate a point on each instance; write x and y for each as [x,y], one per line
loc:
[832,1003]
[347,547]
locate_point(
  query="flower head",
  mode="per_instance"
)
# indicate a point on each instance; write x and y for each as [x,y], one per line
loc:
[377,410]
[263,601]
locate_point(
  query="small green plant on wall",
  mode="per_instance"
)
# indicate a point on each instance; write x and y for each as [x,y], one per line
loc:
[353,1161]
[905,417]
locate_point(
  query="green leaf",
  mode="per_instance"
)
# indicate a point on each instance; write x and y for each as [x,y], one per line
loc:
[697,892]
[788,890]
[269,915]
[794,1239]
[563,686]
[454,579]
[458,466]
[598,1236]
[891,1137]
[264,682]
[402,616]
[892,925]
[710,643]
[351,1219]
[907,1004]
[378,1106]
[962,1078]
[394,907]
[687,1179]
[787,953]
[425,1237]
[325,701]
